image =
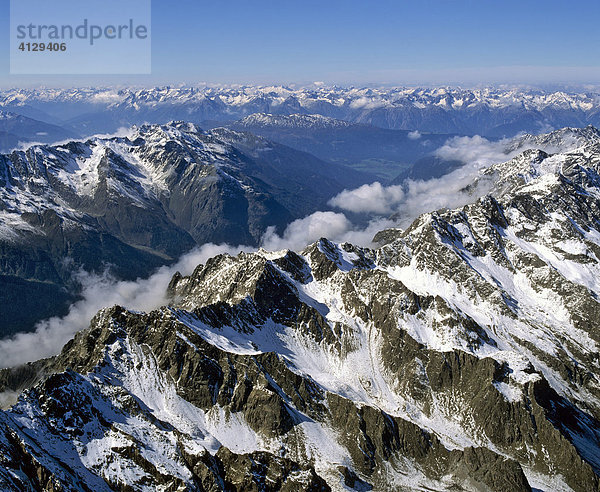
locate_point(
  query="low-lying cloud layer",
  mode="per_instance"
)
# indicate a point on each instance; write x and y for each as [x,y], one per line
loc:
[369,198]
[334,226]
[7,399]
[477,152]
[402,202]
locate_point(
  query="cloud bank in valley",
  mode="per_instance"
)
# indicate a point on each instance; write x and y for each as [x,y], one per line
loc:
[369,198]
[332,225]
[402,202]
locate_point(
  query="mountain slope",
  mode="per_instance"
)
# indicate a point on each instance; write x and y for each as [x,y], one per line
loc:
[16,129]
[134,203]
[460,355]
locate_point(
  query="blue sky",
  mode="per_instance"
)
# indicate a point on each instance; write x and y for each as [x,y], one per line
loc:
[349,42]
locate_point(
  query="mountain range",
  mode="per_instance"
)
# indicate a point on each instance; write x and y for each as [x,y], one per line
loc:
[459,354]
[490,112]
[133,203]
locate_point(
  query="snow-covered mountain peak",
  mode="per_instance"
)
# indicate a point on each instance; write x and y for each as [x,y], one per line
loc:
[568,154]
[173,130]
[493,112]
[7,115]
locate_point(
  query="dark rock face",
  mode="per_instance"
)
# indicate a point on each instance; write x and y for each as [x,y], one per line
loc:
[273,401]
[135,203]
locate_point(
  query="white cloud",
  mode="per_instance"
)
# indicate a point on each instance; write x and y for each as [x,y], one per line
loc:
[334,226]
[369,198]
[478,152]
[304,231]
[413,198]
[435,194]
[403,202]
[363,236]
[7,399]
[415,135]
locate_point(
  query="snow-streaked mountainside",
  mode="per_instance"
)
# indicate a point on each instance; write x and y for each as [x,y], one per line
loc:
[152,164]
[139,201]
[490,111]
[461,354]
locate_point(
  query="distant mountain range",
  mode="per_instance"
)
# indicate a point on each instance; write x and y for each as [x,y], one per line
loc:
[381,131]
[489,112]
